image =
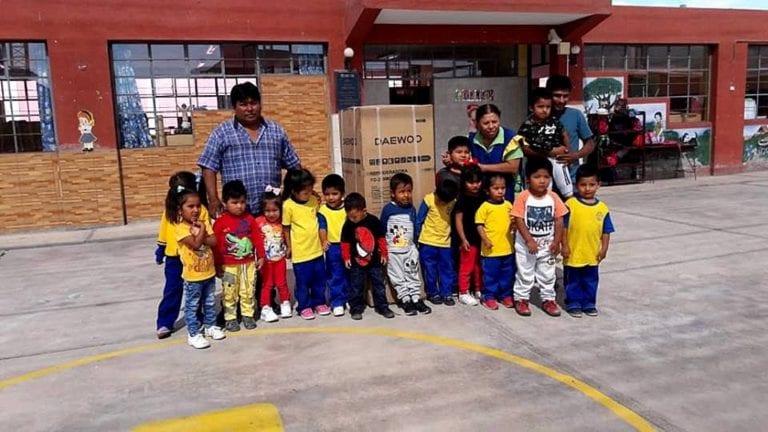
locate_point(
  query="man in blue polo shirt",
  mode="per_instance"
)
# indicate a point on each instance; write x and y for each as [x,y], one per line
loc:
[248,148]
[573,122]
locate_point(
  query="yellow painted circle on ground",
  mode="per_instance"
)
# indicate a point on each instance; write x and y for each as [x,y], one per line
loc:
[624,413]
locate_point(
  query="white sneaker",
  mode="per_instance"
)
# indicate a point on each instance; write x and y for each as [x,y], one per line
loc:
[268,315]
[478,295]
[198,341]
[467,300]
[338,311]
[285,309]
[215,332]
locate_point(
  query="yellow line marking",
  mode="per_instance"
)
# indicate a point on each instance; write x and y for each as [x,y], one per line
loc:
[624,413]
[256,417]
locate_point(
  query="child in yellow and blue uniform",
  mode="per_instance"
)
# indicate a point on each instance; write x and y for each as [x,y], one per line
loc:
[433,229]
[302,237]
[168,252]
[332,217]
[588,229]
[494,224]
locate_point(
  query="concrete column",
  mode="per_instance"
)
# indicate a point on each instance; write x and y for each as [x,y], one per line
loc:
[729,64]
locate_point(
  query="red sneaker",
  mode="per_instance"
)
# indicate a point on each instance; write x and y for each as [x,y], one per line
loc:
[508,302]
[521,307]
[550,307]
[490,304]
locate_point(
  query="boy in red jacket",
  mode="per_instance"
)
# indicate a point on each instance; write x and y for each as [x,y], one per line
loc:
[236,260]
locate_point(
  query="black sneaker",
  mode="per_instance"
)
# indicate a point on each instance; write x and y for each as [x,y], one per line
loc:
[423,308]
[590,312]
[232,326]
[409,308]
[435,300]
[449,301]
[386,312]
[357,316]
[249,323]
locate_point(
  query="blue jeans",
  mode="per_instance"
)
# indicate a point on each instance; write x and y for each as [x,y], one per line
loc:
[310,283]
[581,287]
[438,267]
[195,293]
[168,309]
[358,276]
[498,276]
[337,276]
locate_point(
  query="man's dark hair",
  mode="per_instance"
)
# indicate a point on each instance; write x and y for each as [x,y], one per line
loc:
[559,82]
[354,201]
[535,163]
[539,93]
[447,190]
[586,171]
[233,190]
[333,181]
[398,179]
[243,92]
[458,141]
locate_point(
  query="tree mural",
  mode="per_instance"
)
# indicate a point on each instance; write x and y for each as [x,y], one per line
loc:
[603,90]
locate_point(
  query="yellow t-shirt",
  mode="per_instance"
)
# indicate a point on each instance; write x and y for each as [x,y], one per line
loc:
[305,230]
[496,220]
[335,219]
[586,224]
[436,229]
[197,264]
[166,235]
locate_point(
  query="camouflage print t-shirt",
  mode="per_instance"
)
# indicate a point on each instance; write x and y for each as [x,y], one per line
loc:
[543,136]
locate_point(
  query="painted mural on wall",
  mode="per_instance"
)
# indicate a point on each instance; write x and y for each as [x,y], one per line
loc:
[756,144]
[86,122]
[602,92]
[701,137]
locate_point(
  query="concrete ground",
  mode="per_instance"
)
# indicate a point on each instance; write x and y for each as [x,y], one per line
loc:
[680,343]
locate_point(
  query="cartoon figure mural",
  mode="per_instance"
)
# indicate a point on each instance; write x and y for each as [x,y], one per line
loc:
[85,126]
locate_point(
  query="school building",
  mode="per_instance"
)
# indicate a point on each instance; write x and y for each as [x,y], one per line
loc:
[143,82]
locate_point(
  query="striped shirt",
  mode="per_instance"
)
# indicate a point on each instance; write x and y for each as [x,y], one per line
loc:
[231,152]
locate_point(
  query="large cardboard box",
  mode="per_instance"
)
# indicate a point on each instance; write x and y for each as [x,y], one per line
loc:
[379,141]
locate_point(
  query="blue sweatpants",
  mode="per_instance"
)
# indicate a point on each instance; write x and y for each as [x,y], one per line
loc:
[581,287]
[336,275]
[498,276]
[310,283]
[168,309]
[439,271]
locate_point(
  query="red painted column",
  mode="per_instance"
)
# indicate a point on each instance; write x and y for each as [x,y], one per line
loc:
[727,109]
[80,75]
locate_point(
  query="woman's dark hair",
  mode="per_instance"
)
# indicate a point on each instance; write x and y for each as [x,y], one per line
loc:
[173,201]
[296,180]
[470,173]
[271,197]
[243,92]
[486,109]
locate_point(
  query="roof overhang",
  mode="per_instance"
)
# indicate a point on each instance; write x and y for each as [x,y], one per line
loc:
[473,18]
